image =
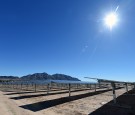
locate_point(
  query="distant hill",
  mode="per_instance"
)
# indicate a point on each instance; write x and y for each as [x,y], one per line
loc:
[45,76]
[8,77]
[64,77]
[40,76]
[36,76]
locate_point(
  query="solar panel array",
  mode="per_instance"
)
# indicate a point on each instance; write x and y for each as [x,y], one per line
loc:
[48,82]
[110,81]
[71,82]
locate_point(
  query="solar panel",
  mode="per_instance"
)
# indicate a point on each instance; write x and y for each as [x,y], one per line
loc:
[110,81]
[49,81]
[113,83]
[30,82]
[72,82]
[40,81]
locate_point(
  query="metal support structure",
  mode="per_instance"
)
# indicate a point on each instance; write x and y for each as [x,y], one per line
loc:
[108,86]
[86,85]
[114,94]
[77,86]
[17,86]
[126,85]
[48,88]
[90,86]
[69,89]
[21,86]
[61,86]
[99,85]
[27,86]
[12,86]
[95,87]
[35,87]
[132,87]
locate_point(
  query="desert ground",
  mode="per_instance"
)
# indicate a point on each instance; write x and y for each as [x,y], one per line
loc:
[81,102]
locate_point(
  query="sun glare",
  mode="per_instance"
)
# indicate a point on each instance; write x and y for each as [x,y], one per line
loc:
[111,20]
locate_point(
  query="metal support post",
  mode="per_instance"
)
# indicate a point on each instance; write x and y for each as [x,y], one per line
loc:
[90,86]
[95,87]
[21,86]
[27,86]
[35,87]
[69,89]
[113,89]
[48,89]
[99,85]
[126,85]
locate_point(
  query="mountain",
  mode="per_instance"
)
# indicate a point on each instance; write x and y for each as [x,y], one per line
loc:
[36,76]
[8,77]
[45,76]
[64,77]
[40,76]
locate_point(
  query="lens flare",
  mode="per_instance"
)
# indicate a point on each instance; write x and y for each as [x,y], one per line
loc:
[111,20]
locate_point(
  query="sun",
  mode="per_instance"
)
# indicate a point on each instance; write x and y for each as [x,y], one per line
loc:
[111,20]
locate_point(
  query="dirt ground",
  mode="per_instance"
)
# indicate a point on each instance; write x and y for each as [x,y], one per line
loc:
[83,102]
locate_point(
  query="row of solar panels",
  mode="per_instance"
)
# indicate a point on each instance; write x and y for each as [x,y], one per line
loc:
[110,81]
[48,82]
[97,80]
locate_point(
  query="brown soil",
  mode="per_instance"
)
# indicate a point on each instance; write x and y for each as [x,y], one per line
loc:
[84,102]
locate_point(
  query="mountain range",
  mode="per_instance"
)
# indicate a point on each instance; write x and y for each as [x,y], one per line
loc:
[42,76]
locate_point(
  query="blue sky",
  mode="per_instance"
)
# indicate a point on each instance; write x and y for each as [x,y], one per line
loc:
[67,36]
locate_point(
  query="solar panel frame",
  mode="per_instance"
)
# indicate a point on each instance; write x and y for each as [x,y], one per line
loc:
[110,81]
[71,82]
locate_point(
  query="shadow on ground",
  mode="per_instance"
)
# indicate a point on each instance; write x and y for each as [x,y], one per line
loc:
[51,93]
[31,91]
[14,92]
[125,106]
[22,92]
[50,103]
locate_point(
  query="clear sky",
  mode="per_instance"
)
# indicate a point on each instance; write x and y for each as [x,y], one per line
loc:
[69,37]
